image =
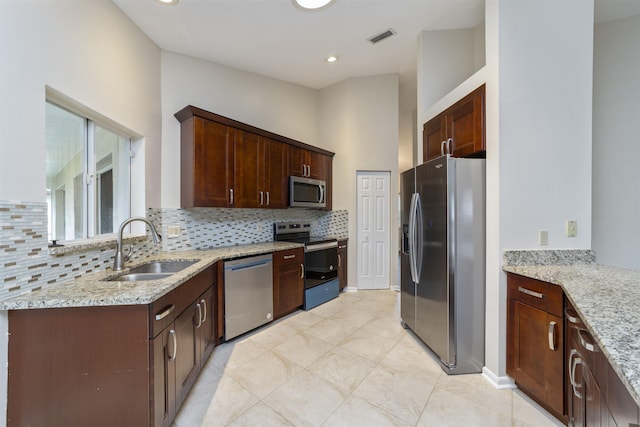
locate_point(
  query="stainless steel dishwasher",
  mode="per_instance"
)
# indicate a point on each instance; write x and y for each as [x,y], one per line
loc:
[248,294]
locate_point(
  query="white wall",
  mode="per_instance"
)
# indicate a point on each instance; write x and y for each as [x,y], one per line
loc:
[280,107]
[358,120]
[90,52]
[87,50]
[542,132]
[616,143]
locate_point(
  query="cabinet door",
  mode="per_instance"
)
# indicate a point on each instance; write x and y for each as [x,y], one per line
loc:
[342,264]
[319,166]
[434,133]
[206,329]
[466,125]
[531,361]
[276,174]
[247,170]
[288,281]
[298,161]
[207,165]
[163,386]
[187,356]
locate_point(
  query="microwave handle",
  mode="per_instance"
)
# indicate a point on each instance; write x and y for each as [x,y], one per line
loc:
[321,187]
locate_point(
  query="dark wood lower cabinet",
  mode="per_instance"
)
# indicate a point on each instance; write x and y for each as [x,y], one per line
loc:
[535,341]
[111,365]
[288,281]
[343,275]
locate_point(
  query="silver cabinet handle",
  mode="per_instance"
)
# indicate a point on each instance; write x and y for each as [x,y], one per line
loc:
[530,292]
[289,256]
[450,146]
[231,196]
[572,372]
[339,260]
[552,335]
[199,316]
[302,271]
[172,334]
[444,143]
[261,198]
[268,199]
[572,316]
[308,170]
[165,312]
[204,309]
[585,343]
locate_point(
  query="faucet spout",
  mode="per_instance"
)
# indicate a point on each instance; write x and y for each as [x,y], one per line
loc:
[120,257]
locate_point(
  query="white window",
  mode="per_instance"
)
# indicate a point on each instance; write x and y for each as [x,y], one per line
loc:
[88,176]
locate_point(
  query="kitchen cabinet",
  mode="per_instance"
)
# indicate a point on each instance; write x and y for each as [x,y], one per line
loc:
[114,365]
[226,163]
[261,171]
[595,394]
[288,281]
[460,127]
[535,341]
[342,264]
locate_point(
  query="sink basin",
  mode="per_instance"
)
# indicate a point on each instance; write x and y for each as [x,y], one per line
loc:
[135,277]
[162,267]
[154,270]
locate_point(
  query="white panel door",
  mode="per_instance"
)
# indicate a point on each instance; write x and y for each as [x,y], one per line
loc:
[374,225]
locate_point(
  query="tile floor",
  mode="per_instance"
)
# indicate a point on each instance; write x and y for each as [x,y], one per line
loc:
[347,362]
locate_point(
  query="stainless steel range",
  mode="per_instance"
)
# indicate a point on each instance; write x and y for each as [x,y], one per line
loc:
[320,261]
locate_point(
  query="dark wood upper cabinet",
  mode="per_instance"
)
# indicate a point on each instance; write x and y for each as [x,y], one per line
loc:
[226,163]
[460,127]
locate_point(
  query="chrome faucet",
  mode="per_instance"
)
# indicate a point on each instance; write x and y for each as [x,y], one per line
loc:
[121,257]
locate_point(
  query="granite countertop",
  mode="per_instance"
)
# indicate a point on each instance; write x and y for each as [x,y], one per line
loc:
[96,290]
[607,300]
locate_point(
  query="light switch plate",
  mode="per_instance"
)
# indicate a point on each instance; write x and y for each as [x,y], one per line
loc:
[571,228]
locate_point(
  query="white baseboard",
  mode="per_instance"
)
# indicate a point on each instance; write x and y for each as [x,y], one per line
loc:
[496,381]
[350,289]
[394,288]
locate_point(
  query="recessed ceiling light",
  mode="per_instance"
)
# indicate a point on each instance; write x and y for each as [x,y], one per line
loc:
[331,58]
[312,4]
[168,2]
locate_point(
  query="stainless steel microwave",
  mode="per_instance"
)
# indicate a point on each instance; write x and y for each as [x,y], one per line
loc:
[307,193]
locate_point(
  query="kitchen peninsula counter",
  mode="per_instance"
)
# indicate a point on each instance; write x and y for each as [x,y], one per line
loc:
[96,289]
[606,298]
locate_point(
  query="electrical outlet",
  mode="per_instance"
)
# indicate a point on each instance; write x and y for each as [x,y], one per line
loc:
[571,228]
[173,231]
[259,226]
[543,237]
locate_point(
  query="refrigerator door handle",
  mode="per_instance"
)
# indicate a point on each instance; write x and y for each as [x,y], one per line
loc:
[419,238]
[412,237]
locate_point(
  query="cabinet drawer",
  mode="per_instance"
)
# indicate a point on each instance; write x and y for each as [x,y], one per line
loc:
[542,295]
[288,257]
[164,310]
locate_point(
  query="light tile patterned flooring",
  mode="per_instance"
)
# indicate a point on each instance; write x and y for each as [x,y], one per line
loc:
[345,363]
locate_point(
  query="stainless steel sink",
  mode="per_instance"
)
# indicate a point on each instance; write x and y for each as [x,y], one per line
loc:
[154,270]
[141,276]
[162,267]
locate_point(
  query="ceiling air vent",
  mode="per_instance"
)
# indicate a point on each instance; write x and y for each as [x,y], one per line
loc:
[383,35]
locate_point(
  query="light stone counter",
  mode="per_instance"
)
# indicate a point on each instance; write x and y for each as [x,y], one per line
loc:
[608,301]
[96,290]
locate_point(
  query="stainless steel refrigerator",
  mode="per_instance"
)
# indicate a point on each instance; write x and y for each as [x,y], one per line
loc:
[443,259]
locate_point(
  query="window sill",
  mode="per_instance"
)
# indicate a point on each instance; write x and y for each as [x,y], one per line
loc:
[107,242]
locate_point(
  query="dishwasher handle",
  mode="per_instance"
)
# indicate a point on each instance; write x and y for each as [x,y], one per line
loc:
[249,266]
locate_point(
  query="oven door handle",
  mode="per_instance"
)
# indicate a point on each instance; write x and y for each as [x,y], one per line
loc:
[320,246]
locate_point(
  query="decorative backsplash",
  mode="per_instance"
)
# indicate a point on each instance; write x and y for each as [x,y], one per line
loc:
[203,228]
[26,263]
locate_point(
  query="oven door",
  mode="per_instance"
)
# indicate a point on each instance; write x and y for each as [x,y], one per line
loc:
[306,193]
[320,263]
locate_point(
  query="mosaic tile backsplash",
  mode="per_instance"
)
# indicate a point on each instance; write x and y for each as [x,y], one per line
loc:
[26,263]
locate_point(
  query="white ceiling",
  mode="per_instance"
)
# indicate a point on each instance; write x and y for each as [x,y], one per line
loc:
[276,39]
